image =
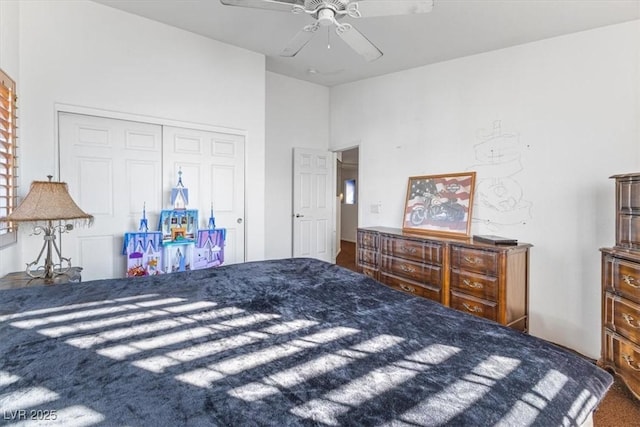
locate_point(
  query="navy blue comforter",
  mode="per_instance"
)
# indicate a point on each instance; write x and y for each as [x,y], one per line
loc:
[286,342]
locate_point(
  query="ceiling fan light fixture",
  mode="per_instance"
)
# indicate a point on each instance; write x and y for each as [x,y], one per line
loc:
[326,17]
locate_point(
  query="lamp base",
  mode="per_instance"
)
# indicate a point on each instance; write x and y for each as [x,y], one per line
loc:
[49,270]
[50,276]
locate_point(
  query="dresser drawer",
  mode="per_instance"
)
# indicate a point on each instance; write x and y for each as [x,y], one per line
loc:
[416,250]
[629,195]
[628,233]
[422,273]
[371,272]
[622,316]
[367,258]
[624,357]
[368,240]
[622,277]
[469,304]
[479,261]
[411,287]
[487,280]
[485,287]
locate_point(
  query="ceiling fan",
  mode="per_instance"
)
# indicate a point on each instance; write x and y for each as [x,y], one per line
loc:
[330,12]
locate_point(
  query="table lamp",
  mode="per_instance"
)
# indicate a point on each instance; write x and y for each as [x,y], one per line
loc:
[45,203]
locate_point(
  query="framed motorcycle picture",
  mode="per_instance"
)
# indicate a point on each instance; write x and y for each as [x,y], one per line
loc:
[440,204]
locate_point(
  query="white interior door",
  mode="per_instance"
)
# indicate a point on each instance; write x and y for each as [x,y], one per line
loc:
[313,204]
[112,168]
[212,165]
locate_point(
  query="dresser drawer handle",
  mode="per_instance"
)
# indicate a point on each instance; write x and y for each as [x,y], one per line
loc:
[408,288]
[630,280]
[473,309]
[408,249]
[632,364]
[472,260]
[407,269]
[470,284]
[631,321]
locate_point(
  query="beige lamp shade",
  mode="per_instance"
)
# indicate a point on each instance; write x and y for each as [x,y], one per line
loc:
[48,201]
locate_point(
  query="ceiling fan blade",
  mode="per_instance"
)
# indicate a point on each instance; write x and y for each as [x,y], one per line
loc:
[358,42]
[368,8]
[300,40]
[283,5]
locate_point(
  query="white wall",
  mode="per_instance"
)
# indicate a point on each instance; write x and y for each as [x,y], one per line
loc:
[568,110]
[9,62]
[297,116]
[86,54]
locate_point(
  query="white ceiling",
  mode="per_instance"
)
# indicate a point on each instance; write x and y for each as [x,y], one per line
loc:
[454,28]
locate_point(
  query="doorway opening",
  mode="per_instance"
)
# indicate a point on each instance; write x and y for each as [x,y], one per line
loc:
[347,198]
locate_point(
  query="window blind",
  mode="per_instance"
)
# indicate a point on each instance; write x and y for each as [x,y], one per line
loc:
[8,156]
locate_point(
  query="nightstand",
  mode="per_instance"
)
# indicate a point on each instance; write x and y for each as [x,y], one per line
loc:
[20,279]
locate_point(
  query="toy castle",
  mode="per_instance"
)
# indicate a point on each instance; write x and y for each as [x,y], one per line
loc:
[178,245]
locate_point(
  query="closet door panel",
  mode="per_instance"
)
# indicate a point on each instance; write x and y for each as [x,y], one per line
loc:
[212,165]
[113,168]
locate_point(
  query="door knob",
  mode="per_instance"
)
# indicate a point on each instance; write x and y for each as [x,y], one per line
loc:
[239,220]
[299,216]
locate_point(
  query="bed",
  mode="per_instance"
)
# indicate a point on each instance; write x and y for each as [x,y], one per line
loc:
[282,342]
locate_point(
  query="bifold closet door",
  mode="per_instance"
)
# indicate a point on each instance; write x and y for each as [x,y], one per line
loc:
[212,165]
[116,167]
[113,167]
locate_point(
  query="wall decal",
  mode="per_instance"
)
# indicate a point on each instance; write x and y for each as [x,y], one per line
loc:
[499,197]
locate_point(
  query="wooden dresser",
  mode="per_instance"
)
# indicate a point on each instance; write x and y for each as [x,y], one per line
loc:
[487,280]
[621,287]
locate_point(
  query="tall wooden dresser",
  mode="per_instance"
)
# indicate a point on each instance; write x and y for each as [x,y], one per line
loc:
[621,287]
[487,280]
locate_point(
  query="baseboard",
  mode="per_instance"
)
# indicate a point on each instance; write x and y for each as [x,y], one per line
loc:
[577,353]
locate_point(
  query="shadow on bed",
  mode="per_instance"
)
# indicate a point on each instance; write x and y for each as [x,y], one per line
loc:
[287,342]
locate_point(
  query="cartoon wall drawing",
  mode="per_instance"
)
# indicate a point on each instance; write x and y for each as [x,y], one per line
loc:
[499,197]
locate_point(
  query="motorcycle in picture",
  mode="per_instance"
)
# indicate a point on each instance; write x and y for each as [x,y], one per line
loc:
[434,208]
